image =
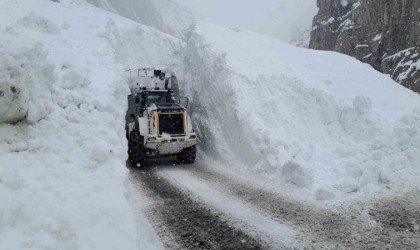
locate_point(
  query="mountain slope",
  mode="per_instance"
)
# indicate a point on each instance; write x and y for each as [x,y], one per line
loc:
[382,33]
[164,15]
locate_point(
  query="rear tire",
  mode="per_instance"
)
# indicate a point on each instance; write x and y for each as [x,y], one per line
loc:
[187,155]
[137,154]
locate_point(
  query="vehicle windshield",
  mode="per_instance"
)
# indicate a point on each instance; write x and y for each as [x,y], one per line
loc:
[148,98]
[155,98]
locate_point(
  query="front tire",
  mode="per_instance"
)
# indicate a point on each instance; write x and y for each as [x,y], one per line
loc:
[137,154]
[187,155]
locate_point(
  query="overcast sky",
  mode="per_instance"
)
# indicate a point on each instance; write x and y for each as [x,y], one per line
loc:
[283,19]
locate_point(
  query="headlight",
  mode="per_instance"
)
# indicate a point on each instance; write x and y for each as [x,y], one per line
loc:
[193,137]
[151,139]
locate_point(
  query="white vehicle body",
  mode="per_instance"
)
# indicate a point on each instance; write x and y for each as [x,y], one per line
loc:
[160,142]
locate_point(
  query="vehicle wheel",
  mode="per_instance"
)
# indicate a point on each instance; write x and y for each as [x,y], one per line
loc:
[187,155]
[137,154]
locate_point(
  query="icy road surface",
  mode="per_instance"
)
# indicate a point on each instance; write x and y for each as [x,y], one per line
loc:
[198,207]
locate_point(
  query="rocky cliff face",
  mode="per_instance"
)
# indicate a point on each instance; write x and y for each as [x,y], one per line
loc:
[383,33]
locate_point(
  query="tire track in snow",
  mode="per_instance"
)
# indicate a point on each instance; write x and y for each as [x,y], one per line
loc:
[275,234]
[183,223]
[147,237]
[318,227]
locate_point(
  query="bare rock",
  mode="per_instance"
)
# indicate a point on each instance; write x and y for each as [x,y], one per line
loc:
[383,33]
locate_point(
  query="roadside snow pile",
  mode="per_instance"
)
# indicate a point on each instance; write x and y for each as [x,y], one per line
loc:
[13,92]
[315,124]
[62,167]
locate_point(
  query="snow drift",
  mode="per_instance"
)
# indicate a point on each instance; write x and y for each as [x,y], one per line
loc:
[316,124]
[13,91]
[62,85]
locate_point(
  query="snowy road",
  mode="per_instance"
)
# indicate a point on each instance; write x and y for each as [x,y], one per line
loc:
[181,222]
[198,207]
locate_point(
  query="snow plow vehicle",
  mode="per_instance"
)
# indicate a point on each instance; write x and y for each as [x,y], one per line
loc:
[157,121]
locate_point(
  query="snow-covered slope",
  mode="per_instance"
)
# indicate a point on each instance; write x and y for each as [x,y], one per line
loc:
[164,15]
[317,124]
[62,168]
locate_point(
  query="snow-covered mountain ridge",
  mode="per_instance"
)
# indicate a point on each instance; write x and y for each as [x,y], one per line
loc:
[164,15]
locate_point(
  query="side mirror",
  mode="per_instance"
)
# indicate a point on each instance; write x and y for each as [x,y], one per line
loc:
[184,101]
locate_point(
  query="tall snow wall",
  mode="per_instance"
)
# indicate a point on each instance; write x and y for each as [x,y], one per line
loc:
[318,125]
[62,107]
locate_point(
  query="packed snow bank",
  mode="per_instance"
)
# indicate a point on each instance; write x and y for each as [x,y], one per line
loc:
[13,92]
[62,168]
[316,124]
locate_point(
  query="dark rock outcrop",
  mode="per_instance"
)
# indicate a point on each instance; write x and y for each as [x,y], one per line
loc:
[383,33]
